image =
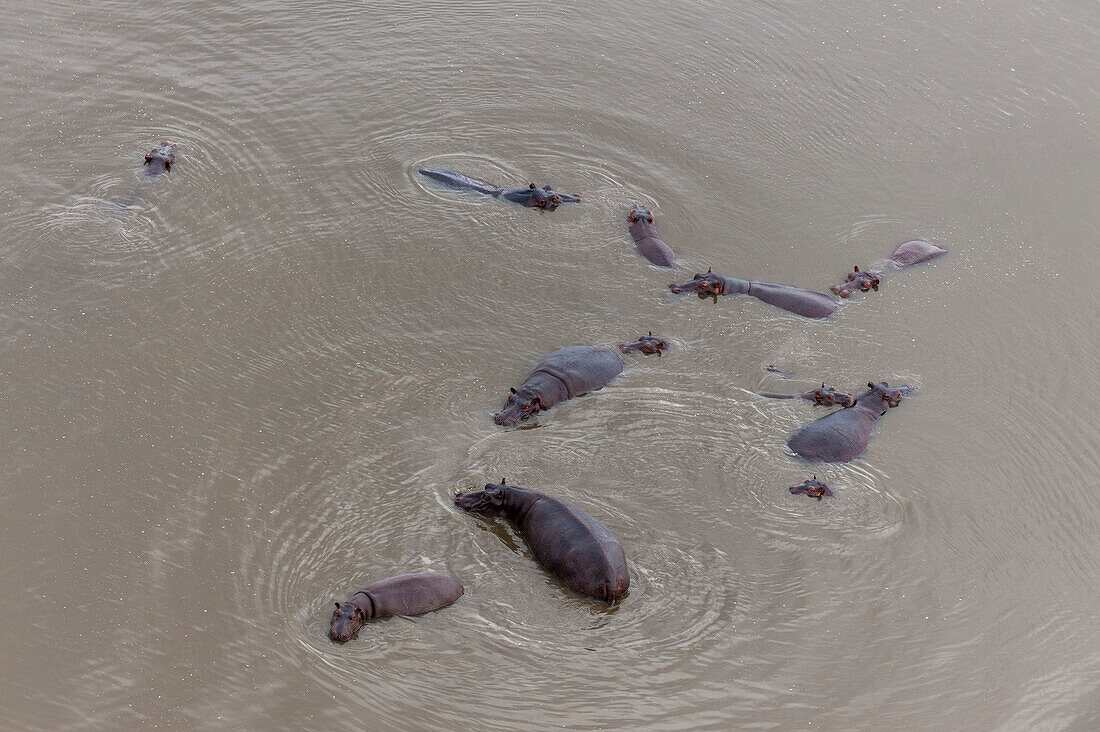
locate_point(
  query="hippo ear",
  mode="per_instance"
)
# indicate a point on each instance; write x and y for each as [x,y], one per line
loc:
[815,476]
[512,389]
[503,481]
[532,186]
[855,267]
[708,270]
[651,332]
[870,385]
[337,606]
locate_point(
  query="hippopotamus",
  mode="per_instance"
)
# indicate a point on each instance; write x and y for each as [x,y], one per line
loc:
[825,396]
[906,255]
[857,280]
[646,238]
[807,303]
[566,541]
[159,160]
[569,372]
[533,196]
[843,435]
[409,594]
[813,488]
[914,252]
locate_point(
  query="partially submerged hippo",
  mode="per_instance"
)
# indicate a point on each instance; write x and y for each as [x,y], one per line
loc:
[576,548]
[813,488]
[160,159]
[646,238]
[409,594]
[908,254]
[569,372]
[843,435]
[824,396]
[533,196]
[807,303]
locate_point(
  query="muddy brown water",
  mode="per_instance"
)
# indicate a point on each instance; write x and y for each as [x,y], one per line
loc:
[257,388]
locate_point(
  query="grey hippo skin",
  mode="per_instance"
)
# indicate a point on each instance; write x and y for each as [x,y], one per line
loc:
[813,488]
[646,238]
[843,435]
[569,372]
[409,594]
[915,252]
[533,196]
[826,396]
[160,159]
[807,303]
[566,541]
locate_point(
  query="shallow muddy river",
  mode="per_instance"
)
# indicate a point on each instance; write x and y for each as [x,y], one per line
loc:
[257,387]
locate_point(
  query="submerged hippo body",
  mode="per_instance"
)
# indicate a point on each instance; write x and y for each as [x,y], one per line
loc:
[160,159]
[569,372]
[409,594]
[823,396]
[533,196]
[646,238]
[566,541]
[915,252]
[807,303]
[843,435]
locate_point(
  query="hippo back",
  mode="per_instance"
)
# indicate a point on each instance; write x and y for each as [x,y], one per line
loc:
[413,594]
[582,368]
[834,438]
[577,548]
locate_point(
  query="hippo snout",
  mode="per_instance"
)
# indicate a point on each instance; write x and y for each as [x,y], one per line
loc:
[505,420]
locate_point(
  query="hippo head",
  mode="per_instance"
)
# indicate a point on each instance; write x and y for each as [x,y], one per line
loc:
[813,488]
[639,213]
[163,154]
[647,344]
[347,619]
[890,398]
[543,197]
[520,405]
[856,280]
[827,396]
[488,502]
[705,285]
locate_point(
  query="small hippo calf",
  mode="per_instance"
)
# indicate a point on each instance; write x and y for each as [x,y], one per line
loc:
[409,594]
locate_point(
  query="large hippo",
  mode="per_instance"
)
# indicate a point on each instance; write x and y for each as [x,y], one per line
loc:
[646,238]
[813,488]
[807,303]
[843,435]
[533,196]
[160,159]
[825,396]
[576,548]
[409,594]
[569,372]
